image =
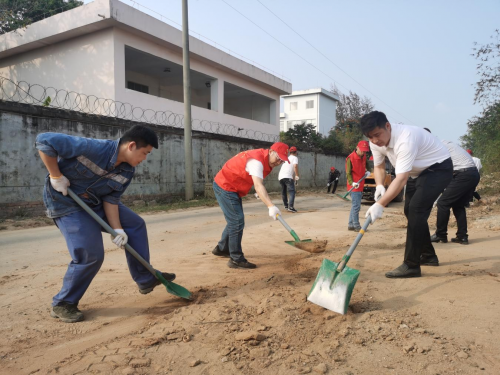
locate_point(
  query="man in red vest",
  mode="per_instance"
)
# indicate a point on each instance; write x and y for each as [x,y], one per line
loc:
[355,169]
[234,181]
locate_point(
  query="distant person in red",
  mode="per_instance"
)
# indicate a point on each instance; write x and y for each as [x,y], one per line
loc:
[355,169]
[234,181]
[333,179]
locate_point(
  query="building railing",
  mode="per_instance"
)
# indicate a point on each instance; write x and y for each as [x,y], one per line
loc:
[35,94]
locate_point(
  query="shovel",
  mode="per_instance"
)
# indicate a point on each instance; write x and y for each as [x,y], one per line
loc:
[306,245]
[335,282]
[344,197]
[172,288]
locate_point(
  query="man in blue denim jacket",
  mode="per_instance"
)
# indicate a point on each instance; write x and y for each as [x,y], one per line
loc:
[98,171]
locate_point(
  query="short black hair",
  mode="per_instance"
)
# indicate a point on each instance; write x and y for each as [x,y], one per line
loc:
[372,120]
[141,135]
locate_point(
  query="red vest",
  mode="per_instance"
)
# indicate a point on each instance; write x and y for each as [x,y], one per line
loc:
[358,169]
[234,177]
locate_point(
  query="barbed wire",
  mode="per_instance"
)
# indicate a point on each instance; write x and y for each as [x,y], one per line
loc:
[35,94]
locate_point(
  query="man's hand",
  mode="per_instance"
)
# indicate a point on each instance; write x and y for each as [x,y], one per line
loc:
[328,184]
[296,178]
[273,211]
[379,192]
[121,239]
[60,184]
[355,185]
[375,211]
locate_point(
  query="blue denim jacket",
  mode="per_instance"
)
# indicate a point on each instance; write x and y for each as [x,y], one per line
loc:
[89,165]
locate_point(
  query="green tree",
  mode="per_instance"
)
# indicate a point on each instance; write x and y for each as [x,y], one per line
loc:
[488,69]
[18,14]
[303,136]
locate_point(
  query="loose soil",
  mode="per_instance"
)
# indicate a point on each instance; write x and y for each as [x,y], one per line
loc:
[258,321]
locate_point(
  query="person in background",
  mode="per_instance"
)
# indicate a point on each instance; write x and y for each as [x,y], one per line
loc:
[289,174]
[478,164]
[333,178]
[355,168]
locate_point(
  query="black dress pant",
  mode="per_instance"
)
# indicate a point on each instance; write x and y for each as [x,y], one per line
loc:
[421,193]
[456,197]
[333,185]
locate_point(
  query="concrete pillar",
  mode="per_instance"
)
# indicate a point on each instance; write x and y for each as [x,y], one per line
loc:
[217,95]
[274,114]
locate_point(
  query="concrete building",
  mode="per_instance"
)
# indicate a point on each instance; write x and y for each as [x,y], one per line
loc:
[113,51]
[313,106]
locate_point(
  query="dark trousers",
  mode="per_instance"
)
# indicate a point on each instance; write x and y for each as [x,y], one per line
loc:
[456,197]
[287,184]
[421,193]
[333,185]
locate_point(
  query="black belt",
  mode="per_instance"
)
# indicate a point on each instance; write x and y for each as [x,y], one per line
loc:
[464,169]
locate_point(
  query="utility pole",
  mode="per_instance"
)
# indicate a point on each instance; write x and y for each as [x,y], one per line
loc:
[188,147]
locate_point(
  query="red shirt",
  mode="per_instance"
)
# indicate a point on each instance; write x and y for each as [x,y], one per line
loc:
[233,176]
[358,170]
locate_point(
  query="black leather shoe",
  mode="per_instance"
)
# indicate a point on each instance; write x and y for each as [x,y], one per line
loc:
[166,275]
[435,238]
[219,253]
[429,260]
[462,241]
[403,271]
[245,264]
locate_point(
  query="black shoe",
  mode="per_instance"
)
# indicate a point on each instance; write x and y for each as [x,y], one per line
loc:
[403,271]
[462,241]
[429,260]
[286,207]
[67,312]
[216,251]
[435,238]
[357,229]
[166,275]
[244,264]
[350,228]
[291,209]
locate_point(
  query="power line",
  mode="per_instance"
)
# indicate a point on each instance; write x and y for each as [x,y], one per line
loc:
[302,58]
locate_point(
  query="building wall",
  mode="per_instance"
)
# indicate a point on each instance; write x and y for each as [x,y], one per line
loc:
[327,114]
[22,172]
[84,64]
[301,114]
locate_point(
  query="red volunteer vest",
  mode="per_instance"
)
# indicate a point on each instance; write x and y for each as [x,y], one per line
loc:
[234,177]
[358,169]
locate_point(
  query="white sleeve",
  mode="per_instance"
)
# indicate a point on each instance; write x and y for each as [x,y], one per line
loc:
[295,161]
[255,168]
[405,157]
[378,157]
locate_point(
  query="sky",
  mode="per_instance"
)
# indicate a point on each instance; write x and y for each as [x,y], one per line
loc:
[411,58]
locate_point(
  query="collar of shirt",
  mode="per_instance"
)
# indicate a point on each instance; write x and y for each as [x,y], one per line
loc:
[111,165]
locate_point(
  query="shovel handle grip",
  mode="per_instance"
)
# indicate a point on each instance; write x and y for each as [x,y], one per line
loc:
[351,189]
[347,256]
[110,230]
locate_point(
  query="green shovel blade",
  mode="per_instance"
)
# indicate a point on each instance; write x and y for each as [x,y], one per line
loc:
[292,243]
[174,288]
[344,197]
[332,289]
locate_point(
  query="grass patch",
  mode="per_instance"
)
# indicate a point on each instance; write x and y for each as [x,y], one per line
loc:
[177,204]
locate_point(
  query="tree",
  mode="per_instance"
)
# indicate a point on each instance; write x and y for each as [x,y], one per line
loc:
[350,107]
[303,136]
[18,14]
[488,69]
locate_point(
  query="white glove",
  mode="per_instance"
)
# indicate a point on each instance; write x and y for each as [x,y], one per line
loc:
[273,211]
[60,184]
[121,239]
[256,196]
[355,185]
[336,179]
[367,174]
[379,192]
[375,211]
[328,184]
[296,178]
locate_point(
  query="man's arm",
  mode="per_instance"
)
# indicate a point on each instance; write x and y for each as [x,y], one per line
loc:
[296,169]
[112,214]
[261,191]
[51,164]
[379,172]
[394,188]
[348,171]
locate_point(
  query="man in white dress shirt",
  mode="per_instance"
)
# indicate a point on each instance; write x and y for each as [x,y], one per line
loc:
[416,155]
[456,196]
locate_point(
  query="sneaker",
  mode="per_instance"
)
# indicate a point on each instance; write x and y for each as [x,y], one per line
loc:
[436,238]
[166,275]
[291,209]
[216,251]
[350,228]
[357,229]
[462,241]
[403,271]
[67,312]
[244,264]
[429,260]
[286,207]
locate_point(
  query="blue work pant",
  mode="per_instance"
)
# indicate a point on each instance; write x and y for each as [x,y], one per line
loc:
[288,184]
[355,207]
[232,207]
[84,239]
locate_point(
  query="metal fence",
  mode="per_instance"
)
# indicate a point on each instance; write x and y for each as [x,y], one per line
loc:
[35,94]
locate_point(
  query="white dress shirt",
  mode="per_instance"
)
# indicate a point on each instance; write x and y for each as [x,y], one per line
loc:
[410,149]
[287,170]
[459,157]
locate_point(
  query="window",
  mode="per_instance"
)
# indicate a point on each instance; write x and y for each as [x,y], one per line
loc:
[137,87]
[293,106]
[282,126]
[309,104]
